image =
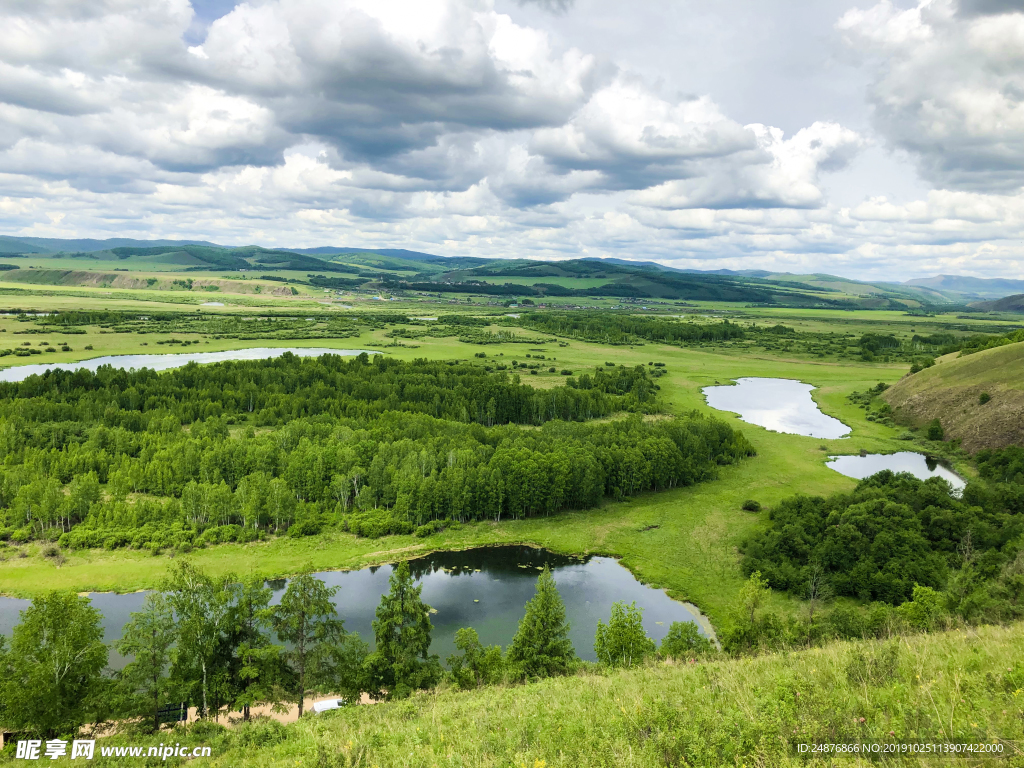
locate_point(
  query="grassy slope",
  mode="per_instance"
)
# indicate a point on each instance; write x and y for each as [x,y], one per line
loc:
[1006,304]
[949,392]
[961,686]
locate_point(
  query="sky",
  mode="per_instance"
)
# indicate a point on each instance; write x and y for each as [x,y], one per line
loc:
[877,140]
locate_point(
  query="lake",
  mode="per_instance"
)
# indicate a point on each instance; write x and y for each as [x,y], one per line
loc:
[781,405]
[917,464]
[485,588]
[164,362]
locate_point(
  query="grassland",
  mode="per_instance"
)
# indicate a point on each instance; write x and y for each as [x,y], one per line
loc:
[692,551]
[954,687]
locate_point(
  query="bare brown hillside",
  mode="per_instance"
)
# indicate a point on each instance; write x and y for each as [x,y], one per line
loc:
[950,392]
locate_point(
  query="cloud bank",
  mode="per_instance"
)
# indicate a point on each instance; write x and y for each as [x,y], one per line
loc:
[444,125]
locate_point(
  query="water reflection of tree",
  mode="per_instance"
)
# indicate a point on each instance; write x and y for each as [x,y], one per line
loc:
[499,560]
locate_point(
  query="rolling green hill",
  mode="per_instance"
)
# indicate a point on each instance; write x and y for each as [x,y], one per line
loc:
[951,392]
[616,279]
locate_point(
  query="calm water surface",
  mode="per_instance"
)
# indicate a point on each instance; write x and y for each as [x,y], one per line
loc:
[485,588]
[164,362]
[917,464]
[781,405]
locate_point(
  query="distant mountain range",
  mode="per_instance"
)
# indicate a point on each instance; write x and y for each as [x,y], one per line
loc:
[984,293]
[86,245]
[982,288]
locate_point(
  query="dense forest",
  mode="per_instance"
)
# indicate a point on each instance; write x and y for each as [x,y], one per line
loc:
[894,533]
[240,450]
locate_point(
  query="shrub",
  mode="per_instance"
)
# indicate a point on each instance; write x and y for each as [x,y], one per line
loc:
[623,641]
[924,611]
[259,732]
[306,527]
[370,527]
[935,431]
[752,506]
[983,398]
[684,640]
[478,665]
[435,526]
[51,550]
[566,372]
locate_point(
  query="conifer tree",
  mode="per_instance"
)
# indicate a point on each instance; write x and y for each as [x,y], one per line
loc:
[541,646]
[307,619]
[622,642]
[260,666]
[148,637]
[402,662]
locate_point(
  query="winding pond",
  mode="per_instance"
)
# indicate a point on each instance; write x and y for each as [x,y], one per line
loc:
[485,588]
[917,464]
[781,405]
[174,360]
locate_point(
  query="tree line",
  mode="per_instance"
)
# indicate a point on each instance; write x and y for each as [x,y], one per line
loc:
[610,328]
[175,460]
[218,645]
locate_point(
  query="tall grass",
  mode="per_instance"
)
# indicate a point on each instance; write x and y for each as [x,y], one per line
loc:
[964,686]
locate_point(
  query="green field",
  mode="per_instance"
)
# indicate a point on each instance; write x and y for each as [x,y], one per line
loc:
[120,481]
[692,552]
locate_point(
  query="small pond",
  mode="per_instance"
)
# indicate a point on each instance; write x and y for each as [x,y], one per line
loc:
[485,588]
[917,464]
[781,405]
[164,362]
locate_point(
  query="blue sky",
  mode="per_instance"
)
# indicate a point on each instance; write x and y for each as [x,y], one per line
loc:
[869,139]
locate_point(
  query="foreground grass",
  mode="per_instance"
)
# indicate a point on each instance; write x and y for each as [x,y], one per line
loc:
[959,686]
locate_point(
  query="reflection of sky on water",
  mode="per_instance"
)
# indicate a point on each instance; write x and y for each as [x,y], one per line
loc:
[164,362]
[917,464]
[781,405]
[485,588]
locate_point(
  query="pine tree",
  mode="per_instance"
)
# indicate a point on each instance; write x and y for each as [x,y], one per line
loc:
[259,666]
[148,637]
[541,646]
[622,642]
[307,619]
[402,662]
